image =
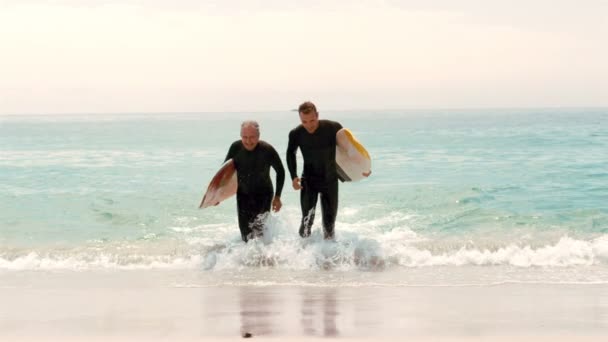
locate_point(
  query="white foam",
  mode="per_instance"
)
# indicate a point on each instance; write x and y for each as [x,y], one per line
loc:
[566,252]
[378,243]
[349,211]
[34,261]
[600,248]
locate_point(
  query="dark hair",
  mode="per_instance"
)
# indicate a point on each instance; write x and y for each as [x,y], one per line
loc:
[307,108]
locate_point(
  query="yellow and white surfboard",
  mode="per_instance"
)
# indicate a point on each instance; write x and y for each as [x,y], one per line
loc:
[352,159]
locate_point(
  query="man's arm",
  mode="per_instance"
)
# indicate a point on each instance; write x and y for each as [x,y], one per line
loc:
[292,147]
[277,165]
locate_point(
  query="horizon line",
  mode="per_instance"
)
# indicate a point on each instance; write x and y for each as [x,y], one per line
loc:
[320,111]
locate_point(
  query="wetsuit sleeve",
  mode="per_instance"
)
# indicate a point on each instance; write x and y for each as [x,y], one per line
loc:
[292,147]
[277,165]
[232,151]
[338,126]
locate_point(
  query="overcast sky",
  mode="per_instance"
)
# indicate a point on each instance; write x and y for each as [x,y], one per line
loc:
[95,56]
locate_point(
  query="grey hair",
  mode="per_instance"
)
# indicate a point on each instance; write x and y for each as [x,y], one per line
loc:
[251,123]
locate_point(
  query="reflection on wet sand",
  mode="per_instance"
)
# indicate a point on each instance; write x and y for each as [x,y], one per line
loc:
[316,311]
[258,312]
[263,314]
[319,306]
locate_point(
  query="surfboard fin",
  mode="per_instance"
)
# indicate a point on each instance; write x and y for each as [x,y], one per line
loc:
[342,176]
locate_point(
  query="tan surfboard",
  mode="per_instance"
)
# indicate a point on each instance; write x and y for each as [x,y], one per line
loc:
[222,186]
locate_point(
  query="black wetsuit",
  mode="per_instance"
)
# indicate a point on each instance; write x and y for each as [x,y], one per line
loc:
[254,194]
[319,175]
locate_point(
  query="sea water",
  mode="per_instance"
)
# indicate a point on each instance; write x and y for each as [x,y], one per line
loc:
[455,197]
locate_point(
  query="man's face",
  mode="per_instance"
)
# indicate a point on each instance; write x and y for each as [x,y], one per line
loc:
[249,137]
[310,121]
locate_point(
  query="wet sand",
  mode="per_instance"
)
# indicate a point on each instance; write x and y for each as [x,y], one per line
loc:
[133,306]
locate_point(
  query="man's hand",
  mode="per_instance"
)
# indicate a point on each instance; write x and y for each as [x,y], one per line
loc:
[296,184]
[276,204]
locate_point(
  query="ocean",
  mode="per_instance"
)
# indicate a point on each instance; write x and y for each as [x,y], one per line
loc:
[456,197]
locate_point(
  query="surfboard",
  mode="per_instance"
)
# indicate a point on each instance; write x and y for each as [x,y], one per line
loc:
[222,186]
[352,158]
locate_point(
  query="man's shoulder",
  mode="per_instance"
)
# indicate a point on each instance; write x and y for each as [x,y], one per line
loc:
[265,145]
[329,122]
[235,149]
[330,125]
[296,130]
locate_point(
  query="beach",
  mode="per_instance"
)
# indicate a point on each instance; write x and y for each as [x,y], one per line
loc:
[137,306]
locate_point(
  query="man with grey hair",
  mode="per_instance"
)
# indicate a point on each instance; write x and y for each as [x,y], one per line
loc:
[255,195]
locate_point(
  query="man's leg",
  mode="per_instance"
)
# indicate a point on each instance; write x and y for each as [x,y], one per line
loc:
[260,209]
[242,208]
[329,209]
[308,203]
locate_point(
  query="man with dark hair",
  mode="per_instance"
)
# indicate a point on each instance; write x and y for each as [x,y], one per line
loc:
[316,140]
[252,159]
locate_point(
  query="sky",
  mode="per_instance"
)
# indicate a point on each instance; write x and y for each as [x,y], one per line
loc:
[111,56]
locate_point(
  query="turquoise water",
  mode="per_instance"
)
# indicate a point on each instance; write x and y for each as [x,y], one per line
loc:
[500,189]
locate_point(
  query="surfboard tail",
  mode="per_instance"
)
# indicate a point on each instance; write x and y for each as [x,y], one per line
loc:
[202,203]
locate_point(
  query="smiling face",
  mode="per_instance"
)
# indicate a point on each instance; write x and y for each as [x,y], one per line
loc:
[310,121]
[250,137]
